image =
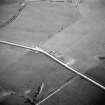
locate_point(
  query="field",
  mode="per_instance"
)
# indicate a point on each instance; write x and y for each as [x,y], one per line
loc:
[76,39]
